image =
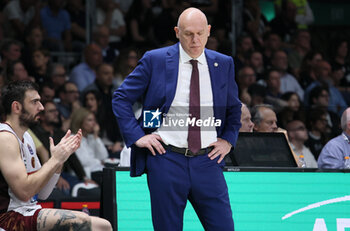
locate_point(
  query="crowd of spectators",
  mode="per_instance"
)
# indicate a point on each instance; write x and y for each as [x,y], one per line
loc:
[275,63]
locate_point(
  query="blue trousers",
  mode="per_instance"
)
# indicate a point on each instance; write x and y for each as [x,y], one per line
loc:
[174,178]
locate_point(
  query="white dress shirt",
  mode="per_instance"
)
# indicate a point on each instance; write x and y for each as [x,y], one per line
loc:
[179,110]
[90,154]
[308,156]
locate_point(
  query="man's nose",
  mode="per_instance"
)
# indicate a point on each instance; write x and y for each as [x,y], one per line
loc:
[41,107]
[195,38]
[274,125]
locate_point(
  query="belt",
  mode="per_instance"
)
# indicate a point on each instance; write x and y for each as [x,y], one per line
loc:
[185,151]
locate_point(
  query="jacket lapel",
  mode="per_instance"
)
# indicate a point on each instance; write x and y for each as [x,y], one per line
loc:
[215,79]
[172,69]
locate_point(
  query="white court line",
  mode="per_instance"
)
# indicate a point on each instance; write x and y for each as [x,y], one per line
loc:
[316,205]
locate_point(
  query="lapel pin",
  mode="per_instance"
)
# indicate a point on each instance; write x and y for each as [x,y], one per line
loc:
[216,64]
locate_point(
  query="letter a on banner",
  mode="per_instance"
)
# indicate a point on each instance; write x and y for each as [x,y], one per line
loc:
[320,225]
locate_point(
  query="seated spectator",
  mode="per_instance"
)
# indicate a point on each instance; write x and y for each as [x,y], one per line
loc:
[76,10]
[247,124]
[293,111]
[101,38]
[339,60]
[279,61]
[308,68]
[317,125]
[264,118]
[166,19]
[297,134]
[92,153]
[256,61]
[319,98]
[284,23]
[84,73]
[333,153]
[33,41]
[272,43]
[273,85]
[337,77]
[92,101]
[58,76]
[72,172]
[212,43]
[20,14]
[56,23]
[47,92]
[301,46]
[113,19]
[304,15]
[244,47]
[140,21]
[10,51]
[246,77]
[257,95]
[125,64]
[68,103]
[109,129]
[337,103]
[40,65]
[15,70]
[254,21]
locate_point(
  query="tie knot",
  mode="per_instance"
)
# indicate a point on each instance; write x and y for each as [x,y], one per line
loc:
[194,62]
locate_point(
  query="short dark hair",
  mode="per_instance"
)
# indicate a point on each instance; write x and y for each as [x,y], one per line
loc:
[7,43]
[95,93]
[15,91]
[317,92]
[287,95]
[314,115]
[268,72]
[10,69]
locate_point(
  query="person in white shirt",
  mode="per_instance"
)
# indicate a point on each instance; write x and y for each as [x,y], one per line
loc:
[111,17]
[297,134]
[279,61]
[92,151]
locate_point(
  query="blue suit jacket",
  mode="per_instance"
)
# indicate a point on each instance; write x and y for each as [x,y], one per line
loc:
[154,81]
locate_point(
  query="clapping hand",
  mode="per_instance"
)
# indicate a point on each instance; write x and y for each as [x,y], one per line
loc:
[66,146]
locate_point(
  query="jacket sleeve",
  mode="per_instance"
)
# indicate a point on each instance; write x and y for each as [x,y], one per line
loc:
[133,87]
[233,109]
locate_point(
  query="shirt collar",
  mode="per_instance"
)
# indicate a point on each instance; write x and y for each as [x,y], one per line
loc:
[185,58]
[346,137]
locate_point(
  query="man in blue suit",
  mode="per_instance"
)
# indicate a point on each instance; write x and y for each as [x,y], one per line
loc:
[182,157]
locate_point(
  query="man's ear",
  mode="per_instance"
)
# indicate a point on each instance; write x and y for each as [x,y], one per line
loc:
[16,106]
[176,29]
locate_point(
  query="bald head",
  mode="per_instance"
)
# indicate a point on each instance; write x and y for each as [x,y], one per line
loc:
[345,119]
[193,31]
[247,124]
[191,14]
